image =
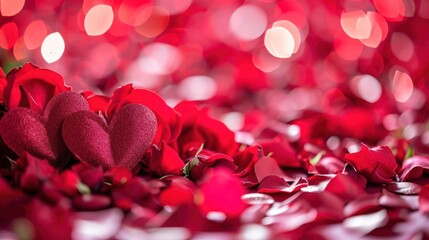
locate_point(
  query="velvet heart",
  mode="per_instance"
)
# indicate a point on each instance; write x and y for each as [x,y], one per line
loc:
[24,130]
[121,143]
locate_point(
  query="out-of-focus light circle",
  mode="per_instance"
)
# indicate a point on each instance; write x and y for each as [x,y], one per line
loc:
[8,35]
[155,24]
[293,29]
[347,48]
[356,24]
[333,142]
[174,6]
[248,22]
[98,20]
[402,46]
[378,32]
[197,88]
[424,9]
[417,100]
[160,58]
[390,122]
[293,132]
[233,120]
[366,87]
[402,86]
[279,42]
[138,76]
[19,50]
[34,34]
[53,47]
[132,12]
[264,61]
[393,10]
[11,7]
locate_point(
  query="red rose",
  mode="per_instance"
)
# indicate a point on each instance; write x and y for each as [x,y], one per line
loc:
[32,87]
[97,103]
[199,128]
[204,161]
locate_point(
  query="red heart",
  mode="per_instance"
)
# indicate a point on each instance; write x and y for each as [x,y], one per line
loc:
[24,130]
[122,143]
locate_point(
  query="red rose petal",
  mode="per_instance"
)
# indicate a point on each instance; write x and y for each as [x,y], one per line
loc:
[377,164]
[282,151]
[413,167]
[91,202]
[276,184]
[345,187]
[267,166]
[362,205]
[214,198]
[165,161]
[406,188]
[424,200]
[180,191]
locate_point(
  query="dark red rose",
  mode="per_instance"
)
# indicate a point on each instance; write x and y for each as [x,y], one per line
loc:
[91,176]
[136,191]
[67,182]
[199,128]
[32,87]
[169,121]
[245,162]
[118,176]
[204,161]
[178,191]
[50,222]
[32,172]
[165,161]
[414,167]
[97,103]
[283,152]
[377,164]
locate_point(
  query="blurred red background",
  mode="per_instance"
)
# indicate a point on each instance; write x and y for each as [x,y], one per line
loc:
[281,58]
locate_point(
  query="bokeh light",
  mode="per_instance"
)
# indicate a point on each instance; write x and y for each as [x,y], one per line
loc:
[366,87]
[11,7]
[310,79]
[53,47]
[402,86]
[248,22]
[279,42]
[221,52]
[197,88]
[34,34]
[356,24]
[98,20]
[402,46]
[8,35]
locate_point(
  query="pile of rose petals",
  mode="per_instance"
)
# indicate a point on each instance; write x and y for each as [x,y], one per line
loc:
[214,119]
[85,166]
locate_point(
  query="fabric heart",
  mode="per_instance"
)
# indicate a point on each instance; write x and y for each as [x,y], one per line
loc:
[24,130]
[121,143]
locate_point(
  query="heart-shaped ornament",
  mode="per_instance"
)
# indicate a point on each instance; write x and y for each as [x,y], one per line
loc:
[24,130]
[121,143]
